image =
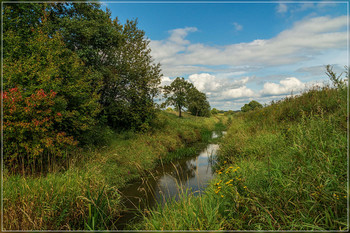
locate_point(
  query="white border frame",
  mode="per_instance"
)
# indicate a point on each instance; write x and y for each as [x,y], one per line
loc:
[172,2]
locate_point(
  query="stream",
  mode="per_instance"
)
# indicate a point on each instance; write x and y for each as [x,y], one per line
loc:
[166,181]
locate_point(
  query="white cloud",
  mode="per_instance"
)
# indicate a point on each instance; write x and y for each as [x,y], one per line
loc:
[208,83]
[238,93]
[281,8]
[238,27]
[165,81]
[205,82]
[306,38]
[285,86]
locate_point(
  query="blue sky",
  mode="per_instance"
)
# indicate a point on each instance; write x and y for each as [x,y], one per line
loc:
[239,51]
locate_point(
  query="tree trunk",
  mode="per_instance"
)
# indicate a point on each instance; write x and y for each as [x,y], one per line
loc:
[179,112]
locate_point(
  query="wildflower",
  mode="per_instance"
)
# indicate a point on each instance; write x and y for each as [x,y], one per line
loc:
[222,195]
[225,161]
[245,187]
[219,173]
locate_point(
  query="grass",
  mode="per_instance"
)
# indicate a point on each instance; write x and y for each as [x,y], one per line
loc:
[283,167]
[86,195]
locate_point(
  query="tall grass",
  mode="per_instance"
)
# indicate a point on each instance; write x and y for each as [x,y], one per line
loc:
[86,195]
[283,167]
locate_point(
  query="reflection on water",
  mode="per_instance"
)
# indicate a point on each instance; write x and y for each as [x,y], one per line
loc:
[167,181]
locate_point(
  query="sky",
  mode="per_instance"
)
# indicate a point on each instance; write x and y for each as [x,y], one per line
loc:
[236,52]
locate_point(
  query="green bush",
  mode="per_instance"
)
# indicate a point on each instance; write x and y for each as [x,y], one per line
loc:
[31,137]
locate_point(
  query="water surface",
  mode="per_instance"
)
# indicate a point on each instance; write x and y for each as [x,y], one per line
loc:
[168,180]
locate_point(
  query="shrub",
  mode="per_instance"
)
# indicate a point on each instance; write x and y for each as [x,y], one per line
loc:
[30,133]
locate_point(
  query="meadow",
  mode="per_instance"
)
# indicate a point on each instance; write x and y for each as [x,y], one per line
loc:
[282,167]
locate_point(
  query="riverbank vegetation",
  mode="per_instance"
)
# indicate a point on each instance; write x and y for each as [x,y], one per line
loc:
[80,120]
[86,196]
[281,167]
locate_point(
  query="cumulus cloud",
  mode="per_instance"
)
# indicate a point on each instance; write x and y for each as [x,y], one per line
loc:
[238,93]
[210,83]
[306,38]
[285,86]
[205,82]
[165,81]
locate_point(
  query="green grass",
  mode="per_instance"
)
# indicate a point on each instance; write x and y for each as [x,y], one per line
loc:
[86,195]
[283,167]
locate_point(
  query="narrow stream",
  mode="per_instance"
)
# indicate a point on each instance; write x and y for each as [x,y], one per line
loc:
[168,180]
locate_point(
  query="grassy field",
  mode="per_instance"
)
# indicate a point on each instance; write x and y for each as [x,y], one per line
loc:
[282,167]
[86,195]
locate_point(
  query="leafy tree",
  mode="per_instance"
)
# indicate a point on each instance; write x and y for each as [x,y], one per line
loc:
[198,104]
[48,65]
[127,94]
[120,57]
[176,94]
[229,112]
[251,106]
[214,111]
[117,55]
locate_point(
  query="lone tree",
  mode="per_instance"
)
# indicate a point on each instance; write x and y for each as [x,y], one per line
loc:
[198,104]
[251,106]
[182,94]
[214,111]
[176,94]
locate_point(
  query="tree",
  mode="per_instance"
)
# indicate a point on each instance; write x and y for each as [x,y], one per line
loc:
[251,106]
[119,55]
[48,65]
[176,94]
[198,104]
[128,92]
[214,111]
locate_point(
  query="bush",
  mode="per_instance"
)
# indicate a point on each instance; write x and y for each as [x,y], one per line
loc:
[30,135]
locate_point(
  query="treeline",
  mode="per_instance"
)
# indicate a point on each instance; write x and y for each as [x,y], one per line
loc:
[72,75]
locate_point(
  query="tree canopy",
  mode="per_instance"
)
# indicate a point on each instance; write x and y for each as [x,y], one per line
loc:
[251,106]
[100,70]
[183,95]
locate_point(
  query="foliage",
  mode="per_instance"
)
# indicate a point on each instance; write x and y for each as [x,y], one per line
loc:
[31,138]
[229,112]
[198,104]
[282,167]
[214,111]
[60,201]
[127,94]
[337,81]
[251,106]
[176,94]
[120,57]
[102,71]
